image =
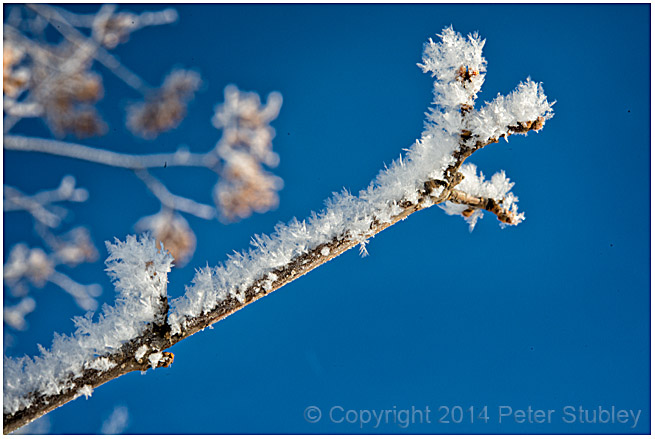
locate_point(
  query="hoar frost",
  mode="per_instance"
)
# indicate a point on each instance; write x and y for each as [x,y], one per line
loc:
[85,391]
[154,359]
[498,188]
[139,269]
[346,215]
[140,352]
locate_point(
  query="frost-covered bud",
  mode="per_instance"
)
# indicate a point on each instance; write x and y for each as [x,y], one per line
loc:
[457,65]
[245,187]
[140,273]
[165,108]
[245,146]
[68,102]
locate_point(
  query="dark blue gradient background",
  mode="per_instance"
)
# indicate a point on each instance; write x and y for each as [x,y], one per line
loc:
[551,313]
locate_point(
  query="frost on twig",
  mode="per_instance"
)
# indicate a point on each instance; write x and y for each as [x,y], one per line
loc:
[427,175]
[523,110]
[430,173]
[75,364]
[475,194]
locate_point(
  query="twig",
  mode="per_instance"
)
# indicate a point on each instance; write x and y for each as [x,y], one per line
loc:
[488,204]
[172,201]
[109,158]
[139,164]
[15,200]
[83,294]
[22,109]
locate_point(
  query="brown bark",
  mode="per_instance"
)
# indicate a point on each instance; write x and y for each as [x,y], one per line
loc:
[488,204]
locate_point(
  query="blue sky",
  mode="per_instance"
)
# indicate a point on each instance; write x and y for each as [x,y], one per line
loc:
[549,314]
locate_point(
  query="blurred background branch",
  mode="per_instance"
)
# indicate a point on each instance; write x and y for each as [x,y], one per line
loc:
[55,64]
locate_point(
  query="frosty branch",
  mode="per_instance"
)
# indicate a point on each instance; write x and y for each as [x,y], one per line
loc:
[432,172]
